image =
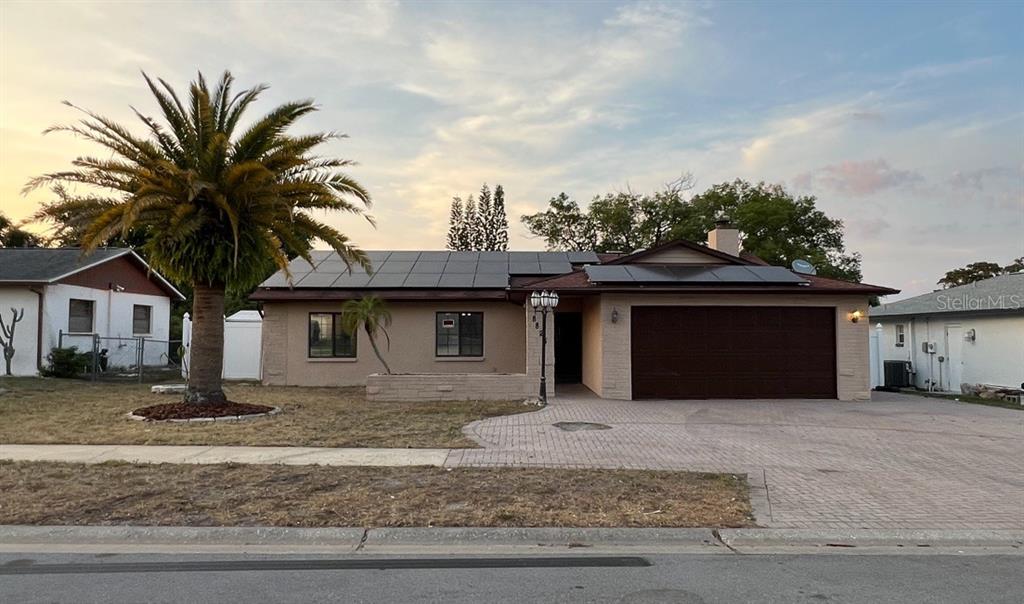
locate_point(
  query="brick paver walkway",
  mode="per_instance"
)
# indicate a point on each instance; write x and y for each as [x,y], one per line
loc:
[899,461]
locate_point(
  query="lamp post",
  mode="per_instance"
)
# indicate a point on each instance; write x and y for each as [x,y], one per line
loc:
[542,303]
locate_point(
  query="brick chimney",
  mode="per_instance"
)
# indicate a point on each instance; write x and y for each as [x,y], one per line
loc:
[725,237]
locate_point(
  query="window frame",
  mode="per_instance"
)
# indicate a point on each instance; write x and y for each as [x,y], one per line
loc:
[461,353]
[92,315]
[354,339]
[901,335]
[149,319]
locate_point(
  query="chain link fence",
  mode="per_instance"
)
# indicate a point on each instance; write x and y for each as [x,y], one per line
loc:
[126,359]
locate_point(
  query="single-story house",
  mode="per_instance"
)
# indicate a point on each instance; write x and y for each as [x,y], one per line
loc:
[971,334]
[64,297]
[682,320]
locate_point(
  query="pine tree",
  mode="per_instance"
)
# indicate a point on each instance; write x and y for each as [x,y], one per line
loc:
[456,225]
[499,221]
[485,236]
[471,226]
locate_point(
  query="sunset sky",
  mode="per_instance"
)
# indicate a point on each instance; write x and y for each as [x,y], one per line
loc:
[906,121]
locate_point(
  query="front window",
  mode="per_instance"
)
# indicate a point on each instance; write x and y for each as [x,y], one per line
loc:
[80,316]
[900,336]
[460,334]
[142,319]
[327,338]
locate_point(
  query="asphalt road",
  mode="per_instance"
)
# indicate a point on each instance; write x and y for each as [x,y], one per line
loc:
[84,578]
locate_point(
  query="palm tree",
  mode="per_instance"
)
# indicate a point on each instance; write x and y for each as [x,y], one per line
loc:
[372,315]
[219,205]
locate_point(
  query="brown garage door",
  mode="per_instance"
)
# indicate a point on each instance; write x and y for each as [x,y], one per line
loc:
[733,352]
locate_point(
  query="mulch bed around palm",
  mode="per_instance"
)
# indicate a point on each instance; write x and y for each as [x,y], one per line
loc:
[182,410]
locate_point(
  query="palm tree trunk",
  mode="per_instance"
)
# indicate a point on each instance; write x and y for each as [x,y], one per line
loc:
[376,351]
[207,347]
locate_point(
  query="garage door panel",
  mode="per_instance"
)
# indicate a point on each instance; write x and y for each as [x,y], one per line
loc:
[733,352]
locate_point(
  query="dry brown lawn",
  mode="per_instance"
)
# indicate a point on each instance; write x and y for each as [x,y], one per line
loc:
[52,411]
[314,496]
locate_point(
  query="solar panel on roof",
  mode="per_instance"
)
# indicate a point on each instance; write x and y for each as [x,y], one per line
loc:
[434,256]
[582,257]
[523,257]
[608,274]
[460,268]
[481,280]
[695,274]
[387,280]
[492,268]
[278,279]
[649,273]
[422,280]
[357,279]
[299,265]
[463,256]
[524,268]
[317,279]
[428,267]
[452,280]
[404,256]
[553,256]
[776,274]
[494,257]
[393,267]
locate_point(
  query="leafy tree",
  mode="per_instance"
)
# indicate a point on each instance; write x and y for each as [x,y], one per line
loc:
[975,271]
[498,224]
[372,316]
[220,206]
[12,236]
[773,224]
[1014,267]
[564,226]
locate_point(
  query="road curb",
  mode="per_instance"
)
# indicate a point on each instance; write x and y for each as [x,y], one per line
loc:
[487,540]
[740,538]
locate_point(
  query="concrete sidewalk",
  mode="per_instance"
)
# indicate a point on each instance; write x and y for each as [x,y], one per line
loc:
[296,456]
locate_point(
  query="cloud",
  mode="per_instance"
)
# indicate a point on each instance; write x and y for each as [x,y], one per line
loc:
[977,179]
[859,177]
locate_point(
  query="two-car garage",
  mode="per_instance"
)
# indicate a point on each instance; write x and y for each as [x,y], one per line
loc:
[702,352]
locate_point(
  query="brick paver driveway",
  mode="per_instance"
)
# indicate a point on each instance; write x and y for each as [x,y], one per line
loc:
[899,461]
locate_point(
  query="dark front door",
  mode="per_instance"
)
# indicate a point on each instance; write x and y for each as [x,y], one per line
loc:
[701,352]
[568,347]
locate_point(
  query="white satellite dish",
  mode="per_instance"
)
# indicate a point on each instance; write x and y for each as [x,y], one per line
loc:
[804,267]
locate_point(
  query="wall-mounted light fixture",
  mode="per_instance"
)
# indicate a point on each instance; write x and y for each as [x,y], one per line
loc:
[970,335]
[854,316]
[615,315]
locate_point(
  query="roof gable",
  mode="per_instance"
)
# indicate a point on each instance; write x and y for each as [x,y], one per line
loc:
[680,251]
[1004,293]
[97,269]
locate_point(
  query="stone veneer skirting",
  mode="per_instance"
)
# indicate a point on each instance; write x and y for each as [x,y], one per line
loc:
[412,387]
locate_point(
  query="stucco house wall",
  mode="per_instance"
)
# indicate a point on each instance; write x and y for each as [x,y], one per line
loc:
[995,356]
[25,341]
[112,318]
[852,371]
[286,358]
[593,347]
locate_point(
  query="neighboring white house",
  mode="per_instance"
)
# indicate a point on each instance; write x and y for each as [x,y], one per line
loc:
[972,334]
[66,298]
[243,345]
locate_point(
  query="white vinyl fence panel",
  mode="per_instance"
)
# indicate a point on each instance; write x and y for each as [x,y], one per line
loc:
[876,361]
[243,340]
